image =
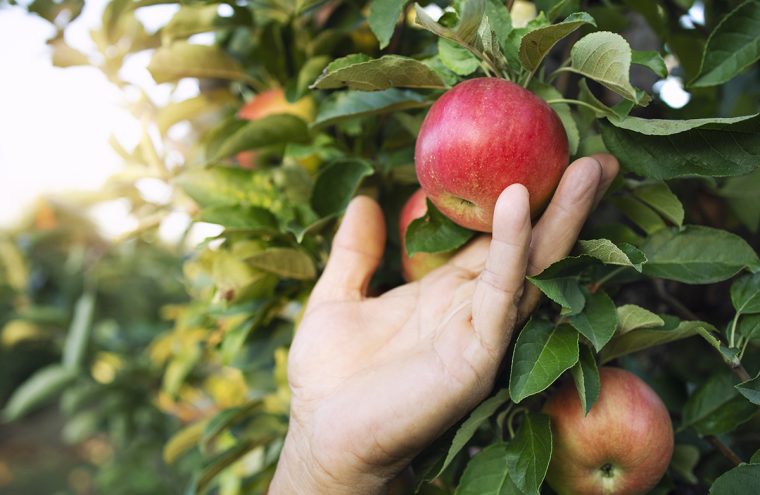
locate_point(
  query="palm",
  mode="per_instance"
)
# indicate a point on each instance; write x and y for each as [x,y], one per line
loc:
[376,379]
[366,351]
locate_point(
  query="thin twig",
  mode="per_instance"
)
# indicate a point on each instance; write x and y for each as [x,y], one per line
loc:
[674,303]
[684,312]
[724,449]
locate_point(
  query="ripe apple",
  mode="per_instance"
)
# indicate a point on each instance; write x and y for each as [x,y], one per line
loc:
[482,136]
[419,265]
[272,102]
[622,447]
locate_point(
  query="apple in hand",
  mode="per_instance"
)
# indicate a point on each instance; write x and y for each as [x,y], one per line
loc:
[417,266]
[622,447]
[272,102]
[482,136]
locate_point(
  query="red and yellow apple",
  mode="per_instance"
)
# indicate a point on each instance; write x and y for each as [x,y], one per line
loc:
[417,266]
[482,136]
[272,102]
[622,447]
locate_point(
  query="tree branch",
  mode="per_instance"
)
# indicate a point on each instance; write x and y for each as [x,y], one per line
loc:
[724,449]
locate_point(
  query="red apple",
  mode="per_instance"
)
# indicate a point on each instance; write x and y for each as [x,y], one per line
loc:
[419,265]
[272,102]
[622,447]
[482,136]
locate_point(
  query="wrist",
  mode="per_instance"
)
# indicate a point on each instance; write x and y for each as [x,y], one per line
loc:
[300,472]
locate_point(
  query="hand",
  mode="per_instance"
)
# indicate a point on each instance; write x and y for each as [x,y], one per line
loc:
[375,380]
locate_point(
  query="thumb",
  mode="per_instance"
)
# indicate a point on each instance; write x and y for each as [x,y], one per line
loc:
[356,252]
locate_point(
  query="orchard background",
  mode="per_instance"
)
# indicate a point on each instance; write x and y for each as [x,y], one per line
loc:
[167,364]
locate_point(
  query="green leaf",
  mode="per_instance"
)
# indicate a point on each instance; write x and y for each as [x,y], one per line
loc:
[214,186]
[664,127]
[204,103]
[639,213]
[632,317]
[529,452]
[486,474]
[390,71]
[716,407]
[606,58]
[741,480]
[336,184]
[194,19]
[659,196]
[751,389]
[219,463]
[465,32]
[548,93]
[697,255]
[733,46]
[79,331]
[755,459]
[685,459]
[434,233]
[240,217]
[741,195]
[610,254]
[644,338]
[536,44]
[181,59]
[663,149]
[745,294]
[267,131]
[560,282]
[477,417]
[457,58]
[749,326]
[38,388]
[586,376]
[542,353]
[182,441]
[598,320]
[499,19]
[353,104]
[650,59]
[222,421]
[565,291]
[285,262]
[383,16]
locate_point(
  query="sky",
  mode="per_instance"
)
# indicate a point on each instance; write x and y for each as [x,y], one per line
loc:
[55,123]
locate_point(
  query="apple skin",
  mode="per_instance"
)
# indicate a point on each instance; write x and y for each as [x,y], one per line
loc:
[417,266]
[482,136]
[622,447]
[272,102]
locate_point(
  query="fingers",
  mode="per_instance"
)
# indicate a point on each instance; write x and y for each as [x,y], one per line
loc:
[582,186]
[356,252]
[500,283]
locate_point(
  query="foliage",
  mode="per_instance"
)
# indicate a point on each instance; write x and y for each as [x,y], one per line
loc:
[664,282]
[78,314]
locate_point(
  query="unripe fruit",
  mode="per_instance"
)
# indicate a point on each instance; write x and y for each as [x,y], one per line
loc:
[622,447]
[482,136]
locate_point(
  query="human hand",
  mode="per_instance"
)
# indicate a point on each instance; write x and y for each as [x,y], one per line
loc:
[375,380]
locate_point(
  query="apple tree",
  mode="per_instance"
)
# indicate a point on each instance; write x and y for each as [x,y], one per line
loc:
[664,283]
